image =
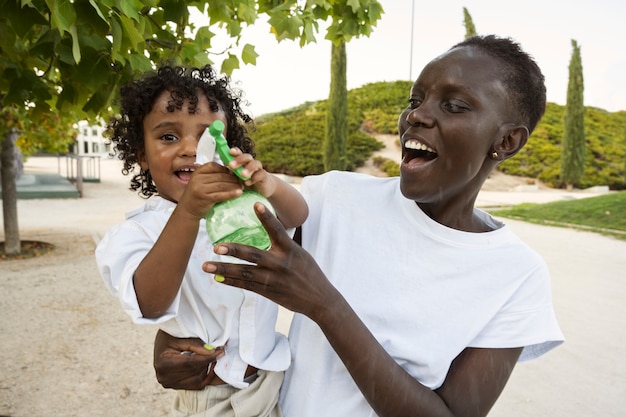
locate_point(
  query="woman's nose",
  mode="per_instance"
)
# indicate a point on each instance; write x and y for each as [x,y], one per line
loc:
[420,116]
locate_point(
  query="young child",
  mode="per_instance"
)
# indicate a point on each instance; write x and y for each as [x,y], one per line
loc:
[410,300]
[152,261]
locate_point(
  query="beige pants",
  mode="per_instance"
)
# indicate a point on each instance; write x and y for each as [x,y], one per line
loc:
[259,399]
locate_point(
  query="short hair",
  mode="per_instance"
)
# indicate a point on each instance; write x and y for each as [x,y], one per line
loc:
[520,73]
[137,99]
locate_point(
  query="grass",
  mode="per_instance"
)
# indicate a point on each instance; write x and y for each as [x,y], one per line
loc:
[605,214]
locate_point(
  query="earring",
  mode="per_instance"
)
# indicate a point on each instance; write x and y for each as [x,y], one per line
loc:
[494,155]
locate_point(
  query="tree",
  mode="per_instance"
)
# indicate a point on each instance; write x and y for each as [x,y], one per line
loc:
[344,13]
[573,149]
[72,56]
[337,114]
[470,29]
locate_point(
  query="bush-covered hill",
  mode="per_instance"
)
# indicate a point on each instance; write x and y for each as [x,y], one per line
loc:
[290,141]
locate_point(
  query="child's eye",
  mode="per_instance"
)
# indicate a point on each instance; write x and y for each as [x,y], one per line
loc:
[169,137]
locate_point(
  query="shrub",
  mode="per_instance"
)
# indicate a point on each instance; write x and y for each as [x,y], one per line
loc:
[290,142]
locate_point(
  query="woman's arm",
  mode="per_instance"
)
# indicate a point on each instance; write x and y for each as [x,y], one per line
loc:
[288,275]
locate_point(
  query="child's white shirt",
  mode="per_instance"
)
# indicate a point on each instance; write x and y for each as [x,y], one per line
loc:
[220,315]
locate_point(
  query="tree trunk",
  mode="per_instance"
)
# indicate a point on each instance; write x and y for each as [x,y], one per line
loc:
[336,137]
[8,172]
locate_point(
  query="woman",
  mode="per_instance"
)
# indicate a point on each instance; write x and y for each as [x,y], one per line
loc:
[411,301]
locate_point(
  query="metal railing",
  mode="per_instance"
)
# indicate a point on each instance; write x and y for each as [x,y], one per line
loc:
[79,169]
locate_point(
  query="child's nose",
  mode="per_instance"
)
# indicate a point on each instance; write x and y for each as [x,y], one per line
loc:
[189,144]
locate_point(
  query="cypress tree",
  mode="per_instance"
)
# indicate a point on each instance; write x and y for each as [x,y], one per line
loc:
[470,29]
[573,147]
[337,114]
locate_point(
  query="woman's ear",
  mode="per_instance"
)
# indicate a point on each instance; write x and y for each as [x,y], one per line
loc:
[512,139]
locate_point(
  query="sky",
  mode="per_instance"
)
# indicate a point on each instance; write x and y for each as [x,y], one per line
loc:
[286,75]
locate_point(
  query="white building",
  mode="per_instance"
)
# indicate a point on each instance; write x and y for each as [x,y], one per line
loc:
[90,140]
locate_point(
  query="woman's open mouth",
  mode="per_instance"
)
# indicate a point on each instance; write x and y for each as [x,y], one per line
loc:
[414,149]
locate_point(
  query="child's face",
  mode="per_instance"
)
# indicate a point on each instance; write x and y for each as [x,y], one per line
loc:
[170,141]
[457,108]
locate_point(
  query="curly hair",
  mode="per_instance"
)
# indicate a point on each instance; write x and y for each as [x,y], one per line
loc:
[137,98]
[520,73]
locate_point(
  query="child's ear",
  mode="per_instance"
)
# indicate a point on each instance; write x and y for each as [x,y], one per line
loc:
[512,139]
[141,158]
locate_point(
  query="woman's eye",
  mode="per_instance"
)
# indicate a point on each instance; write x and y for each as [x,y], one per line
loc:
[169,137]
[415,102]
[456,107]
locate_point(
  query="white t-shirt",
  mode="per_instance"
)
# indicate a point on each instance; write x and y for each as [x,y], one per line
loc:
[424,290]
[216,313]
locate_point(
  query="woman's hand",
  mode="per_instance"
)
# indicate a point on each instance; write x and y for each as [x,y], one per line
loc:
[183,363]
[285,274]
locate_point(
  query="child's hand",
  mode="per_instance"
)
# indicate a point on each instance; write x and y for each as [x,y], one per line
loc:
[260,180]
[210,183]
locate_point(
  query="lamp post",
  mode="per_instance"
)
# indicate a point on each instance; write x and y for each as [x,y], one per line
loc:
[411,52]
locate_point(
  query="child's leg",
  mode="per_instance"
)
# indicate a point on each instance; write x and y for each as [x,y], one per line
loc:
[258,399]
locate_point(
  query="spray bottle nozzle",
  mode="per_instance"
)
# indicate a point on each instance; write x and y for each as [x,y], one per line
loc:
[216,128]
[221,146]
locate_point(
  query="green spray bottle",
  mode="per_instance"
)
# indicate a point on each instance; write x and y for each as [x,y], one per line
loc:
[234,220]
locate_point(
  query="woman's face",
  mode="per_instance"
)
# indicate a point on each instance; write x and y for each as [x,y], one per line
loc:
[455,114]
[170,142]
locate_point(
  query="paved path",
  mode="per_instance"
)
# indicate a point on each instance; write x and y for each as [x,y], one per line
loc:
[584,377]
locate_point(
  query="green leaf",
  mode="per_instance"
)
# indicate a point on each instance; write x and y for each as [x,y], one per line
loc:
[97,9]
[233,28]
[98,101]
[308,34]
[247,12]
[75,45]
[188,52]
[174,10]
[230,64]
[63,51]
[139,62]
[22,19]
[117,35]
[67,97]
[202,59]
[130,8]
[203,37]
[132,34]
[249,55]
[354,4]
[219,12]
[62,14]
[285,27]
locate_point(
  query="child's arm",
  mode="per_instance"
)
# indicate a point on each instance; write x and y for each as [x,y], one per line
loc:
[291,208]
[158,277]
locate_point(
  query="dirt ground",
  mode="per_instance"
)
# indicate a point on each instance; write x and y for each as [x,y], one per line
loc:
[67,349]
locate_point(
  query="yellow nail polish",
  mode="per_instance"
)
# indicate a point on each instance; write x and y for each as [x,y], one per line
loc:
[208,347]
[219,278]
